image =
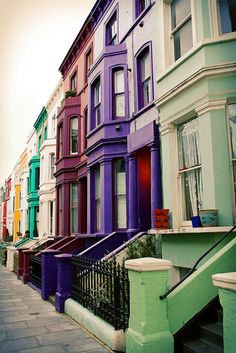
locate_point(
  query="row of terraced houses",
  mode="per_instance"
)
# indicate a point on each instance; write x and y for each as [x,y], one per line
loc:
[143,119]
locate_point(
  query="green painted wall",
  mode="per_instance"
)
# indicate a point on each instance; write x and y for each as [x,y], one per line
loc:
[183,250]
[228,300]
[198,290]
[33,198]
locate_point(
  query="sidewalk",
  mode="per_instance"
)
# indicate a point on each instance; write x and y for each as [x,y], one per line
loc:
[30,325]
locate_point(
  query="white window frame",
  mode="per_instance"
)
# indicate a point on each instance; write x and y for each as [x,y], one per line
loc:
[232,160]
[71,135]
[72,208]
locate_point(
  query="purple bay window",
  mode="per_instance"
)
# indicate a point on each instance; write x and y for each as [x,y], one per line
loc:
[60,140]
[111,31]
[73,135]
[120,193]
[118,100]
[97,198]
[60,210]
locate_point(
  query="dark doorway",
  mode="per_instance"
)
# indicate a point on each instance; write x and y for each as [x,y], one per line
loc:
[144,188]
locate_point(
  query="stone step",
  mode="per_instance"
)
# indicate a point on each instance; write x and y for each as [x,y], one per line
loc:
[220,315]
[213,333]
[201,346]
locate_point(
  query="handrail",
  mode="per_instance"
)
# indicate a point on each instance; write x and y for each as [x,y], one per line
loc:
[163,296]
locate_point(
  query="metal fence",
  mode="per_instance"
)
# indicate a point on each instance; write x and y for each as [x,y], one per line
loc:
[35,270]
[103,288]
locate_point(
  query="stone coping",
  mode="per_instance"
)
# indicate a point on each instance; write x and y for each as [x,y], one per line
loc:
[225,280]
[146,264]
[189,230]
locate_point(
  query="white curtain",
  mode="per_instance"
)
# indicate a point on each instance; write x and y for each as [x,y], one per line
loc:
[189,157]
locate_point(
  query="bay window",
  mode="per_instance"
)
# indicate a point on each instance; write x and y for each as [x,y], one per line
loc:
[118,93]
[60,138]
[227,14]
[60,210]
[97,199]
[181,23]
[52,165]
[73,135]
[140,6]
[190,168]
[74,208]
[120,193]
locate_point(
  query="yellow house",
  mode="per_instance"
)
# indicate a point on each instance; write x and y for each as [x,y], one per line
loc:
[17,215]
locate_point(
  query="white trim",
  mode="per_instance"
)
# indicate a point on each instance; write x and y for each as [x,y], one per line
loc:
[225,280]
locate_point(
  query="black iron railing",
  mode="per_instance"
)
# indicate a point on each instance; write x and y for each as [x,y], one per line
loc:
[102,287]
[35,270]
[163,296]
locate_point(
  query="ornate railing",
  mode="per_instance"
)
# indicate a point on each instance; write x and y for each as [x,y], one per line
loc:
[103,288]
[35,270]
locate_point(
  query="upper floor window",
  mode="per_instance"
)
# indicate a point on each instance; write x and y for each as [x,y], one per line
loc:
[190,168]
[140,6]
[45,133]
[73,81]
[85,126]
[74,135]
[60,138]
[53,125]
[227,12]
[52,165]
[39,143]
[144,78]
[111,30]
[96,103]
[60,210]
[88,63]
[181,27]
[118,93]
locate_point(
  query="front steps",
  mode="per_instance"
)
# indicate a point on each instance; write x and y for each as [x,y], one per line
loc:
[210,338]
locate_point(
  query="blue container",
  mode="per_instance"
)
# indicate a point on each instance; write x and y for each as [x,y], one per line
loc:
[196,222]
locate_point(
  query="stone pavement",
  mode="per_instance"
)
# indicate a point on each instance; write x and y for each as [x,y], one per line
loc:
[30,325]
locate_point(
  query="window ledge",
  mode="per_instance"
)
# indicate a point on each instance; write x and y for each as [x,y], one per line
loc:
[191,230]
[142,110]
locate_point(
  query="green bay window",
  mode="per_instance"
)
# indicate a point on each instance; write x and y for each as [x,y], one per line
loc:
[190,168]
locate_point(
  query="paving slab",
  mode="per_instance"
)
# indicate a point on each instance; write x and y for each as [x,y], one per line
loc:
[30,325]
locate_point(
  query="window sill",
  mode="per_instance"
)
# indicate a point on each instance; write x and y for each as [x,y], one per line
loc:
[191,230]
[142,111]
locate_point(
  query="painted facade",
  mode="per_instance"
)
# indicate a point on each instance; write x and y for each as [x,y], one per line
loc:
[196,104]
[123,145]
[16,201]
[47,191]
[2,202]
[24,191]
[71,169]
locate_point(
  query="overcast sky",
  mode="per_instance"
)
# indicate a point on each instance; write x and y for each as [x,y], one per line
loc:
[35,35]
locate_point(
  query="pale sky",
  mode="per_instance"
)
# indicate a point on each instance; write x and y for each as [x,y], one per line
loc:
[35,36]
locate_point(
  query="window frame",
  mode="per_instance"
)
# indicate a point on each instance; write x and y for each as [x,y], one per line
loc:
[51,207]
[115,94]
[72,208]
[117,196]
[137,10]
[87,69]
[97,199]
[71,135]
[178,27]
[181,174]
[108,41]
[60,141]
[60,209]
[74,78]
[232,160]
[52,167]
[94,123]
[220,20]
[139,83]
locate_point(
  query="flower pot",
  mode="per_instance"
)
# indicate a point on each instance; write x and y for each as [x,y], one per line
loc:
[208,217]
[196,221]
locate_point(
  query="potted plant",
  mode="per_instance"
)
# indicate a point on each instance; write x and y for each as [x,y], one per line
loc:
[208,217]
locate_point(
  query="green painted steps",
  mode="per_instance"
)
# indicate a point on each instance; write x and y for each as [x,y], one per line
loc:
[202,346]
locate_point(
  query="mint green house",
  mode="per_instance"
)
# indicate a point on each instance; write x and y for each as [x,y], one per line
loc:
[196,107]
[40,127]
